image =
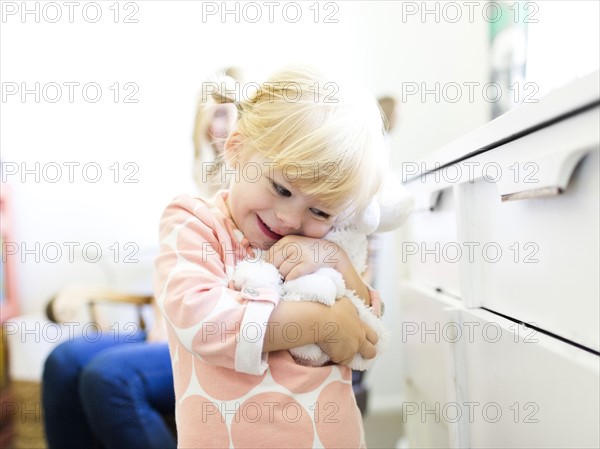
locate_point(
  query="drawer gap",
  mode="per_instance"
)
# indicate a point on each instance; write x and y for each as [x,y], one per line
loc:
[542,331]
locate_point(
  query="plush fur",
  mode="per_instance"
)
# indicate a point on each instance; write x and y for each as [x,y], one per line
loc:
[324,286]
[387,212]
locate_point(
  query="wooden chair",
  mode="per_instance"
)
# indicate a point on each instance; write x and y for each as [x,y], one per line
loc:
[82,303]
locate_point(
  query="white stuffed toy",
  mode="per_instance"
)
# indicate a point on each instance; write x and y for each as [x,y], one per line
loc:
[327,284]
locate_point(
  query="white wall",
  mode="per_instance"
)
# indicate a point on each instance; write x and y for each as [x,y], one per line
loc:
[563,44]
[401,50]
[167,55]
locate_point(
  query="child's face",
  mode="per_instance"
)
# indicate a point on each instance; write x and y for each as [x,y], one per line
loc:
[266,206]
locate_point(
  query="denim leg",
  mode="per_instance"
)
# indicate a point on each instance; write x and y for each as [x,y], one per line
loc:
[124,391]
[64,422]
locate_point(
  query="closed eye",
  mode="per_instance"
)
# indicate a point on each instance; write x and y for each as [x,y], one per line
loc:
[281,190]
[320,213]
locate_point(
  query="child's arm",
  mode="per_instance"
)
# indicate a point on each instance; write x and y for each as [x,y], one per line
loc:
[204,313]
[233,329]
[295,256]
[336,329]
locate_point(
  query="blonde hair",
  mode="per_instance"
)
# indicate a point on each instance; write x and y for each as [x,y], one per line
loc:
[329,134]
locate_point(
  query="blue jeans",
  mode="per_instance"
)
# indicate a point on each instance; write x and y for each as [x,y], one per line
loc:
[108,394]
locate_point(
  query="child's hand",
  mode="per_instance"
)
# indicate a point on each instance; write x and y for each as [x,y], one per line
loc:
[344,334]
[295,255]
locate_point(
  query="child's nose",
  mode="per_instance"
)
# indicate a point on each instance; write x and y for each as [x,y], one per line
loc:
[289,218]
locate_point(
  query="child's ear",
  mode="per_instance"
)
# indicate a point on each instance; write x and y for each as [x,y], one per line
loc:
[232,146]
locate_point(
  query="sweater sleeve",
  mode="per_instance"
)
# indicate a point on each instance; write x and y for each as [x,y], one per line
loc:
[218,324]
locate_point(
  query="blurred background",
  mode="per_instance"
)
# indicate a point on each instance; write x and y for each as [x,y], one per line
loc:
[98,107]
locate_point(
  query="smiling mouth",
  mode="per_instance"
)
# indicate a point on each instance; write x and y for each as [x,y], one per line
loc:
[266,230]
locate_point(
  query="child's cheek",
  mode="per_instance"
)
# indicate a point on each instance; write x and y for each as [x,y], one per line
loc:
[317,230]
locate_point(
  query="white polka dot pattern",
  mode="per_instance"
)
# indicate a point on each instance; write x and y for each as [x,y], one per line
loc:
[229,395]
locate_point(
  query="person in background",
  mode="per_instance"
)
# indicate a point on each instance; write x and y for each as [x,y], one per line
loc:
[117,391]
[389,109]
[216,115]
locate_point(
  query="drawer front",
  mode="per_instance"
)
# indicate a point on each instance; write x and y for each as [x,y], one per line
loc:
[429,245]
[519,388]
[475,379]
[537,259]
[516,229]
[427,364]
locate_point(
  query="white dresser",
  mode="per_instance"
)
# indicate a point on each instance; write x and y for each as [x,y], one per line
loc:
[500,305]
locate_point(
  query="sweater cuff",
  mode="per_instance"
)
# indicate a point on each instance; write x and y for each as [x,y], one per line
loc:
[249,356]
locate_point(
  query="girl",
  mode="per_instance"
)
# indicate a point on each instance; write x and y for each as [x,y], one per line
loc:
[304,157]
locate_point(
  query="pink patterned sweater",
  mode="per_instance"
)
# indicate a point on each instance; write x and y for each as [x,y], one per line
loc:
[229,394]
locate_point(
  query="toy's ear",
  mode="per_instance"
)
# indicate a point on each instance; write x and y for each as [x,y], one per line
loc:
[396,203]
[389,209]
[369,220]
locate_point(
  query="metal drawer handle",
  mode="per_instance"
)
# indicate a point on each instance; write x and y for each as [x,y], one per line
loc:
[558,169]
[534,193]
